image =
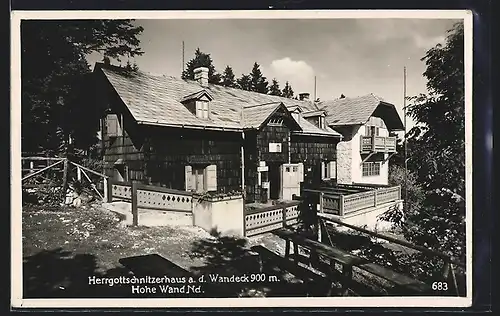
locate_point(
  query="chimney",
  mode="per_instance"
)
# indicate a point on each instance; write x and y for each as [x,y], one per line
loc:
[201,75]
[304,96]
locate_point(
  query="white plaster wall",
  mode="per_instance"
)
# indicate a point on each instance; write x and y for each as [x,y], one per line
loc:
[227,217]
[356,155]
[369,218]
[224,216]
[357,170]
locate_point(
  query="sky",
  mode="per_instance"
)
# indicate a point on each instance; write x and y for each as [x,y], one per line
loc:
[347,56]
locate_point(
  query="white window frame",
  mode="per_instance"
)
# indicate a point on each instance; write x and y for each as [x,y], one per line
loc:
[328,170]
[370,169]
[202,109]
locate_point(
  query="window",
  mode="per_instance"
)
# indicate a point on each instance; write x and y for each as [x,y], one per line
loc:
[371,131]
[371,169]
[275,122]
[113,128]
[274,147]
[201,179]
[328,170]
[321,122]
[202,109]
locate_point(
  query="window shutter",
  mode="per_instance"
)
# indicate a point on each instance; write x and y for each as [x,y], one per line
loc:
[211,178]
[112,125]
[333,169]
[189,178]
[301,172]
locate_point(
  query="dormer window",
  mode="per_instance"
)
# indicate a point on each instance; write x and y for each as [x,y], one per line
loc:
[321,121]
[317,118]
[198,103]
[202,109]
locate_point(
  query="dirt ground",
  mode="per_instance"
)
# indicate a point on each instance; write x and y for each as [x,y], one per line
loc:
[65,246]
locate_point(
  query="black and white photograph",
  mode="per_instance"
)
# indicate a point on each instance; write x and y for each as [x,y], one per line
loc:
[213,158]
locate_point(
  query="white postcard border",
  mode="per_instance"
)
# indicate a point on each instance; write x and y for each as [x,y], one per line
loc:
[333,302]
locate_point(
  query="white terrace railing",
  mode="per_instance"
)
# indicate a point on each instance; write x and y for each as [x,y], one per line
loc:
[339,204]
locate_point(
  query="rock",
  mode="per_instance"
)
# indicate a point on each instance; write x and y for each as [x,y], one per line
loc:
[77,202]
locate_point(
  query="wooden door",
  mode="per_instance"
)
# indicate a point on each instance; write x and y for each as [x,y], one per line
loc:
[290,180]
[198,179]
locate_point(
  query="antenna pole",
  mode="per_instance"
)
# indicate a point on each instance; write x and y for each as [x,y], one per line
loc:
[182,56]
[405,138]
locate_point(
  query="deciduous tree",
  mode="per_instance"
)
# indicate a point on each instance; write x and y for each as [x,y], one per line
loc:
[439,162]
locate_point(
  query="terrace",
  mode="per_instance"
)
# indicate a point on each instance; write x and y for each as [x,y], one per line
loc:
[344,199]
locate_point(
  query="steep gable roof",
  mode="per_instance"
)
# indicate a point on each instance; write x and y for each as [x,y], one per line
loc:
[354,111]
[156,100]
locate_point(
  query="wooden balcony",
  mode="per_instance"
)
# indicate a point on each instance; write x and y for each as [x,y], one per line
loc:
[378,144]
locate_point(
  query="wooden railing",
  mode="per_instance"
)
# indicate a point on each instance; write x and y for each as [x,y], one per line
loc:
[378,144]
[262,220]
[151,197]
[338,204]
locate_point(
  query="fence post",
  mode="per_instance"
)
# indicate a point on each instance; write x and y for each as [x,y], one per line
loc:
[106,190]
[341,205]
[135,215]
[321,196]
[283,216]
[375,197]
[65,177]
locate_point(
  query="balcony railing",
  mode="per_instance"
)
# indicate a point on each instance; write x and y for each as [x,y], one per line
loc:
[343,204]
[370,144]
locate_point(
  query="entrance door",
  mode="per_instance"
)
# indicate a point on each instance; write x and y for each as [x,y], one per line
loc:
[274,180]
[290,180]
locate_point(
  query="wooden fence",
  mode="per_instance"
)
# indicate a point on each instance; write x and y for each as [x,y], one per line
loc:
[53,168]
[261,220]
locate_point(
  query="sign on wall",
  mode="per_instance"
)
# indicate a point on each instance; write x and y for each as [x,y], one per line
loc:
[274,147]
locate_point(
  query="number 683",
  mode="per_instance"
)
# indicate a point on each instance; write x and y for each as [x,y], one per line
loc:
[439,286]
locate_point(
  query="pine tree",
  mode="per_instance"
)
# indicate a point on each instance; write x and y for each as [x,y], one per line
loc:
[287,91]
[245,82]
[257,80]
[201,59]
[228,79]
[54,74]
[274,89]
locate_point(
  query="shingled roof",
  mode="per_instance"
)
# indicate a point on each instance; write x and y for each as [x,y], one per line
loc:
[357,110]
[156,100]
